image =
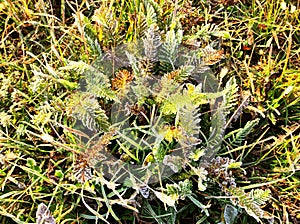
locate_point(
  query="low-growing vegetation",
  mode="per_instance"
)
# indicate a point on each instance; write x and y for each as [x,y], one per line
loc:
[149,111]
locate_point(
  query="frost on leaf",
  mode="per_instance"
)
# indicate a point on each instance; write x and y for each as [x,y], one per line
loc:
[43,215]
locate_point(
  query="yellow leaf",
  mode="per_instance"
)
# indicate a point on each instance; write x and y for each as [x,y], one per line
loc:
[165,198]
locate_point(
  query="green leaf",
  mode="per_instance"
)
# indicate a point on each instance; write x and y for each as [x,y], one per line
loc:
[260,196]
[234,165]
[67,84]
[199,204]
[241,135]
[85,108]
[31,162]
[59,174]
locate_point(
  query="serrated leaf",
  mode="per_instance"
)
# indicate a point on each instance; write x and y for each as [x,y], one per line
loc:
[260,196]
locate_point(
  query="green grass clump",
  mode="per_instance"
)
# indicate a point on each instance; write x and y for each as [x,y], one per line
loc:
[197,123]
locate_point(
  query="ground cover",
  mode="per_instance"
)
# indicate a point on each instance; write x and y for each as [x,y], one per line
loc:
[149,111]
